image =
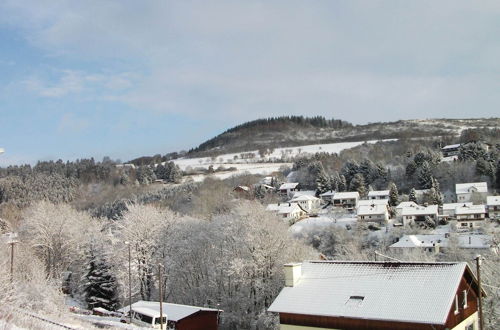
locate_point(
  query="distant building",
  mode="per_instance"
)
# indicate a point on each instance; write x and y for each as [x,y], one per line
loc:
[435,242]
[465,191]
[287,211]
[419,214]
[450,150]
[327,196]
[378,295]
[470,217]
[178,317]
[306,202]
[373,213]
[288,188]
[378,194]
[493,204]
[402,205]
[347,199]
[448,209]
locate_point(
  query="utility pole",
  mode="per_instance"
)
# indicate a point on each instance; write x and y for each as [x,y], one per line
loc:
[161,296]
[478,267]
[12,241]
[129,284]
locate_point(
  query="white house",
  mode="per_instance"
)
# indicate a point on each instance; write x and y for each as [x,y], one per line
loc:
[493,204]
[287,211]
[433,242]
[402,205]
[373,213]
[377,295]
[469,217]
[288,188]
[418,214]
[306,202]
[450,150]
[465,191]
[327,196]
[367,202]
[448,209]
[346,199]
[378,194]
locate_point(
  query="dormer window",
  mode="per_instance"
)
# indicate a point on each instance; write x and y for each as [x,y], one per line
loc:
[355,301]
[456,304]
[465,299]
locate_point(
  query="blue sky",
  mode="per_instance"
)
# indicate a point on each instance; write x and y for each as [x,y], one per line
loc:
[130,78]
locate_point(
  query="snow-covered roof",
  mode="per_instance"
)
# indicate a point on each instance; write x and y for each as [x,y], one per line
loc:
[375,209]
[453,206]
[493,200]
[346,195]
[406,204]
[378,193]
[245,188]
[380,291]
[328,193]
[464,188]
[420,210]
[289,185]
[367,202]
[301,198]
[173,312]
[471,209]
[464,241]
[283,208]
[451,146]
[304,193]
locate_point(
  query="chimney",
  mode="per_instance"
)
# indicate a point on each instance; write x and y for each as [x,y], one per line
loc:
[293,271]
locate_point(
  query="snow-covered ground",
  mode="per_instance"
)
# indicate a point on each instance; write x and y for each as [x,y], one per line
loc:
[277,154]
[251,162]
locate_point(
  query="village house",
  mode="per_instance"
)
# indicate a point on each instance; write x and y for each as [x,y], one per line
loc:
[287,189]
[419,214]
[347,199]
[402,205]
[368,202]
[450,150]
[327,196]
[378,194]
[242,189]
[493,204]
[306,202]
[469,217]
[178,317]
[373,213]
[465,192]
[287,211]
[436,242]
[378,295]
[448,209]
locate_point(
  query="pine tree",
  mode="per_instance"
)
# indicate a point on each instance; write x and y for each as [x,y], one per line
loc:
[100,286]
[424,176]
[393,194]
[358,184]
[323,183]
[435,192]
[161,172]
[342,183]
[412,197]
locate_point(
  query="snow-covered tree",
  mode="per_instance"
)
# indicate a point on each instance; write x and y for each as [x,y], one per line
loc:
[425,176]
[100,285]
[358,184]
[412,197]
[393,195]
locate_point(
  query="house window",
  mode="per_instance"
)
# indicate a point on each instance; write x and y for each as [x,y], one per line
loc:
[465,299]
[463,224]
[469,327]
[456,304]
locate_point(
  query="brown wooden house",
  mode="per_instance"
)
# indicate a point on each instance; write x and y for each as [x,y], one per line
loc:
[378,295]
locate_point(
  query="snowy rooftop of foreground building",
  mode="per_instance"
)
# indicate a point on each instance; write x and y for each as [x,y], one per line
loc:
[391,291]
[377,193]
[464,188]
[301,198]
[463,241]
[406,204]
[283,208]
[173,312]
[451,146]
[453,206]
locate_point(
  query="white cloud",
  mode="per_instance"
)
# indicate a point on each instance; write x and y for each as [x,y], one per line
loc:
[355,60]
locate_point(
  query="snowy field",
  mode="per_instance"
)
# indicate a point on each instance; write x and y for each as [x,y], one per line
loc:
[251,162]
[277,154]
